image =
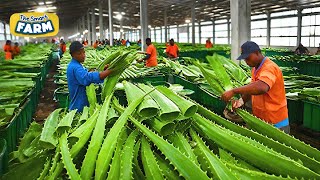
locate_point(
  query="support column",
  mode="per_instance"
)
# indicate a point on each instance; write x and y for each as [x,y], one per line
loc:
[268,29]
[110,22]
[228,29]
[121,29]
[188,33]
[83,27]
[5,31]
[165,26]
[88,28]
[241,27]
[193,19]
[213,32]
[299,26]
[178,33]
[161,34]
[144,23]
[93,28]
[101,21]
[154,34]
[199,32]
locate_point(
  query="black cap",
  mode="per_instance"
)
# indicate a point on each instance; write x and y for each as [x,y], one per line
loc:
[75,46]
[247,48]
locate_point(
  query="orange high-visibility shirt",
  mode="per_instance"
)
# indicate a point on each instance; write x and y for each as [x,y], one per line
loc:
[209,45]
[63,48]
[95,45]
[8,50]
[271,106]
[173,50]
[152,51]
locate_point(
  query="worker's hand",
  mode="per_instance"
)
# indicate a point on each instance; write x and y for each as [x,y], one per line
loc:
[106,67]
[237,104]
[226,96]
[140,60]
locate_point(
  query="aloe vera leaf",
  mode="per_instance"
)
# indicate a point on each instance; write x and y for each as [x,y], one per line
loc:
[180,142]
[167,169]
[148,108]
[66,121]
[184,165]
[89,161]
[66,158]
[114,172]
[112,115]
[215,165]
[85,114]
[34,148]
[211,79]
[263,128]
[109,143]
[251,153]
[267,141]
[109,84]
[48,137]
[111,57]
[92,97]
[186,107]
[55,160]
[76,148]
[246,174]
[150,164]
[138,174]
[168,110]
[45,170]
[163,128]
[126,168]
[182,126]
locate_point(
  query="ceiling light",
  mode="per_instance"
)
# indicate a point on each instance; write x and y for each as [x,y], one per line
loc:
[41,9]
[118,16]
[123,13]
[137,15]
[41,3]
[49,2]
[187,20]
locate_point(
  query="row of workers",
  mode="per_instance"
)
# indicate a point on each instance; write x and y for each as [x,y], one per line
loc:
[11,51]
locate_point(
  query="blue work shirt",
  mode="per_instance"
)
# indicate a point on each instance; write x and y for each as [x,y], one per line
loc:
[78,78]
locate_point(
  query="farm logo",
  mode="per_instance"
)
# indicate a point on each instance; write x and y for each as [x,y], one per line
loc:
[34,24]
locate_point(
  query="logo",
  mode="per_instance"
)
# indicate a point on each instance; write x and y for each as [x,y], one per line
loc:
[34,24]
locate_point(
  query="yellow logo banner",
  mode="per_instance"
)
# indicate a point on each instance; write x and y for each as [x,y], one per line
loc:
[34,24]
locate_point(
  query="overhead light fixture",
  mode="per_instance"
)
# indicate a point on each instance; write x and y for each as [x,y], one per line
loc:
[137,15]
[123,13]
[118,16]
[98,27]
[149,26]
[49,2]
[187,20]
[41,9]
[96,9]
[41,3]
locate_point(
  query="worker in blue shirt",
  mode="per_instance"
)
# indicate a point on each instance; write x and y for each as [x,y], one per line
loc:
[79,77]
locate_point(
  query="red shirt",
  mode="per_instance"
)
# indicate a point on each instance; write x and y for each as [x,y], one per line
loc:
[8,49]
[152,51]
[271,106]
[172,50]
[63,47]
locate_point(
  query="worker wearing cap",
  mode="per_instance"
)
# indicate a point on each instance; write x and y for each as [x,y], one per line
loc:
[79,77]
[266,90]
[172,50]
[151,54]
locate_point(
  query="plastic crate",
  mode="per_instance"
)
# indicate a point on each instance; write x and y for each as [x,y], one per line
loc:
[4,159]
[185,83]
[62,98]
[9,133]
[311,115]
[150,79]
[295,110]
[209,100]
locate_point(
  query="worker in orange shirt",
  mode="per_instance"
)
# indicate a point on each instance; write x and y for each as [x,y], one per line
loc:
[123,42]
[63,46]
[266,90]
[151,54]
[172,50]
[95,44]
[8,50]
[15,50]
[209,43]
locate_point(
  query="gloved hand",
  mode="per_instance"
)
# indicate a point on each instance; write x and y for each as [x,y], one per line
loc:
[237,104]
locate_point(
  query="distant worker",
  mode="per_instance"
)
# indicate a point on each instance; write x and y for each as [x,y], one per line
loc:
[8,50]
[301,50]
[79,77]
[172,50]
[151,54]
[63,47]
[15,50]
[95,44]
[209,43]
[318,50]
[127,43]
[139,42]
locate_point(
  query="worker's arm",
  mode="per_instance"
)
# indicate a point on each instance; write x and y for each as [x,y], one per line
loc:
[105,74]
[85,78]
[254,88]
[147,57]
